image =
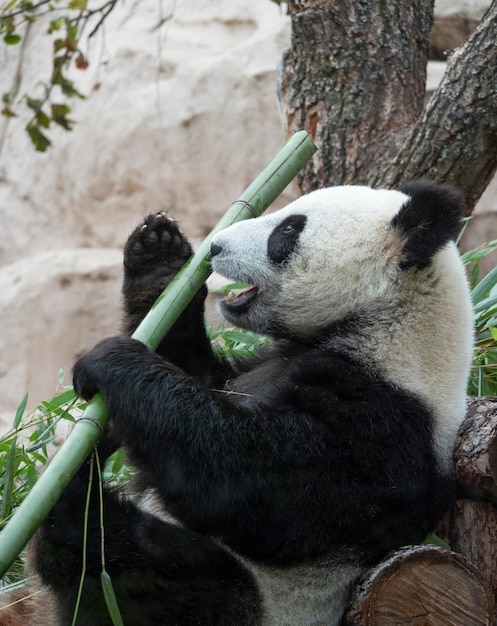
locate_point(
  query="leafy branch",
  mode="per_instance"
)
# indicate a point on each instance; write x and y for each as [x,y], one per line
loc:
[71,20]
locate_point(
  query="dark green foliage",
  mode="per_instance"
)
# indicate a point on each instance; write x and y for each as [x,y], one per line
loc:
[71,19]
[483,379]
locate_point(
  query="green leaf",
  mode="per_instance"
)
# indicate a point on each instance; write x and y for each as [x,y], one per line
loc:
[11,39]
[110,599]
[31,475]
[68,395]
[8,112]
[40,444]
[43,119]
[239,336]
[59,112]
[58,44]
[483,288]
[66,85]
[434,540]
[20,411]
[9,480]
[34,103]
[72,35]
[78,5]
[486,303]
[116,461]
[478,253]
[40,141]
[55,25]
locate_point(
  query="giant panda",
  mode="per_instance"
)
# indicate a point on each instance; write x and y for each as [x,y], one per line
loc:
[287,474]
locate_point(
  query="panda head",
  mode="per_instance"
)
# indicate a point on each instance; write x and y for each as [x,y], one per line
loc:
[332,254]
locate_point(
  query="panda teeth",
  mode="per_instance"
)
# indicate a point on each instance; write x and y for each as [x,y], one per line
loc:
[240,298]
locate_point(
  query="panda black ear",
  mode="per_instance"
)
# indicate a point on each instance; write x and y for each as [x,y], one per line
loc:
[429,219]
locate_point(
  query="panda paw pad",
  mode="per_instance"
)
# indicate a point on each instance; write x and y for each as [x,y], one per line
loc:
[156,242]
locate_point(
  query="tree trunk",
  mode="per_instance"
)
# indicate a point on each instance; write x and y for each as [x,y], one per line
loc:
[355,77]
[475,454]
[421,586]
[470,527]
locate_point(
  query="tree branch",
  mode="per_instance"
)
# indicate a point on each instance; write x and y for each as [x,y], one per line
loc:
[23,10]
[455,139]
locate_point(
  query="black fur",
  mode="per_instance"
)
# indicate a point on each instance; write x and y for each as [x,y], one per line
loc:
[284,238]
[428,221]
[299,456]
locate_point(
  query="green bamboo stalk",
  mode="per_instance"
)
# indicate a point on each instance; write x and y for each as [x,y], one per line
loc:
[166,310]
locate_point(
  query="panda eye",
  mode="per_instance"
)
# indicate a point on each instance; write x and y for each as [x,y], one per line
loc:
[284,238]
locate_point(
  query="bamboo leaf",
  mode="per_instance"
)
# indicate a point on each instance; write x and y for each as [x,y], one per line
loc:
[486,303]
[20,411]
[434,540]
[9,480]
[478,253]
[238,336]
[110,598]
[41,443]
[484,286]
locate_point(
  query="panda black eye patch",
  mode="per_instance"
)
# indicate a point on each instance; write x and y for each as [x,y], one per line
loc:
[283,240]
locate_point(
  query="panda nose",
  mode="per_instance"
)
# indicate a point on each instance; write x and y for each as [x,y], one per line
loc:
[215,249]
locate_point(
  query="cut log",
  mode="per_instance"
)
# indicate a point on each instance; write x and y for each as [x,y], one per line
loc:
[421,586]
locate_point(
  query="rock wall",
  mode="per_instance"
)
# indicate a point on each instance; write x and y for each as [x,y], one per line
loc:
[182,117]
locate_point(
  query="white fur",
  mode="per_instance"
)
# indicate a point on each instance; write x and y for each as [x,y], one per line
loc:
[307,596]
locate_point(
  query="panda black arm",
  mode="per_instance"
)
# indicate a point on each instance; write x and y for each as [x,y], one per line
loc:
[154,253]
[315,469]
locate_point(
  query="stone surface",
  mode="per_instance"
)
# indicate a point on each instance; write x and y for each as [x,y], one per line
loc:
[181,119]
[54,306]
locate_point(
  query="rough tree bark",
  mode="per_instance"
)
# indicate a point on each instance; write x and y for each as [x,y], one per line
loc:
[470,527]
[354,78]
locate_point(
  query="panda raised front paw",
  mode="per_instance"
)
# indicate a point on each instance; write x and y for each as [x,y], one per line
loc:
[156,246]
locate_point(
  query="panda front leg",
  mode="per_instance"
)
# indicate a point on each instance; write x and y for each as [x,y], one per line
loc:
[161,573]
[155,251]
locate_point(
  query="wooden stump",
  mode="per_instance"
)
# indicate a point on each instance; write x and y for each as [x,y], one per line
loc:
[421,586]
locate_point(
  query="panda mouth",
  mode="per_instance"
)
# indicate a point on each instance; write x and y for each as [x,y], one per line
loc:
[240,301]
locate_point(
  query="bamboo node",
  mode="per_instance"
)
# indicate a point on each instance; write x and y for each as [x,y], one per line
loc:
[94,421]
[253,212]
